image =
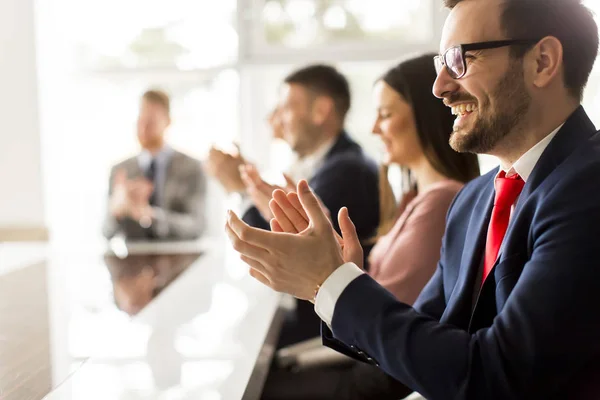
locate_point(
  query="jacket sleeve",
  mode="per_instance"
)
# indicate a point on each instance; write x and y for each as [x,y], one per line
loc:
[546,332]
[190,223]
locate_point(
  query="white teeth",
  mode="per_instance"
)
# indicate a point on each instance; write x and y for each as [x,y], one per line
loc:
[462,109]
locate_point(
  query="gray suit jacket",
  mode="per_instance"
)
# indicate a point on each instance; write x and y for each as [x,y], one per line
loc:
[181,212]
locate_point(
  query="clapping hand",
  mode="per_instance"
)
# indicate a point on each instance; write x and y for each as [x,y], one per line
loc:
[225,168]
[296,263]
[259,190]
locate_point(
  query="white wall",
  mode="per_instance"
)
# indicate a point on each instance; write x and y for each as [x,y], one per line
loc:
[21,203]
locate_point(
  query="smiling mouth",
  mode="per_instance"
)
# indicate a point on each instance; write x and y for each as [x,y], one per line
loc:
[463,110]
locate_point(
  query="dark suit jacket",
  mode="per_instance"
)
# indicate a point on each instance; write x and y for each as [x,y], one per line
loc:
[533,332]
[346,178]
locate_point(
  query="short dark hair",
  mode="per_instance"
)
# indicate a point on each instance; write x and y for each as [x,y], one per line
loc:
[571,22]
[324,80]
[160,97]
[413,79]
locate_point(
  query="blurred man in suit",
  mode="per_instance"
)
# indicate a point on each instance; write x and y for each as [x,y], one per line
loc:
[313,105]
[314,102]
[310,117]
[158,194]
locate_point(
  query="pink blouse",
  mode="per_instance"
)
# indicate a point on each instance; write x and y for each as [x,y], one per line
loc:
[405,258]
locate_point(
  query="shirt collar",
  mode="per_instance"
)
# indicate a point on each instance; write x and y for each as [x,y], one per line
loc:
[525,164]
[162,157]
[307,166]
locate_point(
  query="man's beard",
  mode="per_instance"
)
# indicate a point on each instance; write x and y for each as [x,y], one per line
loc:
[512,103]
[309,135]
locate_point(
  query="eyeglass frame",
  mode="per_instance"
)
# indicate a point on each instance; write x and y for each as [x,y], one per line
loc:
[441,58]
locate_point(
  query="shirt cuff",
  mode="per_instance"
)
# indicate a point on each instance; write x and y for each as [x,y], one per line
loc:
[332,289]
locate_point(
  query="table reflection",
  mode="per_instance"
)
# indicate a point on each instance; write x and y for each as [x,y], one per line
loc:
[137,279]
[208,335]
[78,303]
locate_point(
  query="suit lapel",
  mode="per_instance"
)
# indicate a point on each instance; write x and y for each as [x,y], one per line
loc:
[461,298]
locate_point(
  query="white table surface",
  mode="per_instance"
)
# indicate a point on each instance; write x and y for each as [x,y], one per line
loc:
[203,337]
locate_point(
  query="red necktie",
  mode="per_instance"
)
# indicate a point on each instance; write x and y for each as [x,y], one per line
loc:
[507,191]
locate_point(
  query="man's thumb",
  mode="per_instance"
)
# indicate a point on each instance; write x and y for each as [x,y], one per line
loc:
[352,245]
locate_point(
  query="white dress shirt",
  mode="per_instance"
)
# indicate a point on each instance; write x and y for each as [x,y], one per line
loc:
[307,166]
[336,283]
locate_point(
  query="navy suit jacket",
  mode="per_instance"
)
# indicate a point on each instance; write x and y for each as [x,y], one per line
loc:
[533,331]
[346,178]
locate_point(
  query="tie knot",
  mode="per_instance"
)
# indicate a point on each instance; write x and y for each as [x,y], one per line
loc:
[507,190]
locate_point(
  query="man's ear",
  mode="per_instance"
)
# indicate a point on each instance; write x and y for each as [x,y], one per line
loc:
[321,109]
[545,62]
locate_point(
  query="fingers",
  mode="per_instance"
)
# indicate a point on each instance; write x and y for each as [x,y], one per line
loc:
[255,265]
[259,277]
[282,219]
[347,226]
[352,247]
[287,213]
[243,247]
[312,206]
[290,185]
[247,234]
[275,227]
[252,178]
[294,200]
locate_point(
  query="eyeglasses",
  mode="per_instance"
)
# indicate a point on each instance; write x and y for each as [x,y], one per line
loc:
[454,58]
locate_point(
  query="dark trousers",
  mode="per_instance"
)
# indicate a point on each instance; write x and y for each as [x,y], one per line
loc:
[352,381]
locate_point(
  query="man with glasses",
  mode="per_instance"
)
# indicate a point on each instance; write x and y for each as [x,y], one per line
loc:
[512,311]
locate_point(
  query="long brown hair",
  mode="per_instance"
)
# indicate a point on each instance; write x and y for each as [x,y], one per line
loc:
[413,80]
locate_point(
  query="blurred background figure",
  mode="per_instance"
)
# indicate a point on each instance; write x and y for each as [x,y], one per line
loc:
[160,193]
[415,128]
[313,105]
[310,118]
[225,167]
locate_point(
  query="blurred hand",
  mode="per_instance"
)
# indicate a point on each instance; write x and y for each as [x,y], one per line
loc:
[260,191]
[139,191]
[290,263]
[129,196]
[119,199]
[290,216]
[224,167]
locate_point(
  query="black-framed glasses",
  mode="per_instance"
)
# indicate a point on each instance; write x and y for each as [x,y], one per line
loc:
[454,58]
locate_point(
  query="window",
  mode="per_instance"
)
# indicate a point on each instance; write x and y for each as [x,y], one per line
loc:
[316,23]
[135,34]
[93,70]
[220,61]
